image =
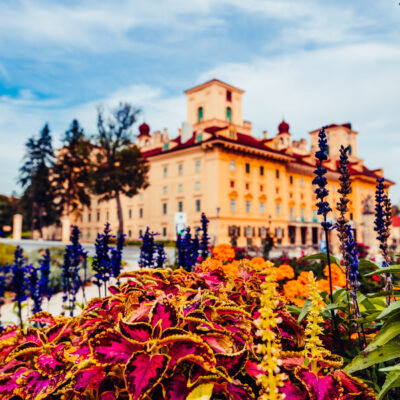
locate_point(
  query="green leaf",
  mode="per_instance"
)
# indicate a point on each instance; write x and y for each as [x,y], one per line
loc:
[384,353]
[392,269]
[370,318]
[368,263]
[331,306]
[321,256]
[392,381]
[201,392]
[388,332]
[392,368]
[393,308]
[293,309]
[304,310]
[383,294]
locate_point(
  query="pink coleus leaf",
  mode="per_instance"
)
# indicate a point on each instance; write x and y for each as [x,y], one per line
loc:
[143,372]
[8,382]
[319,387]
[163,314]
[9,332]
[35,383]
[109,395]
[43,317]
[112,348]
[55,332]
[88,378]
[233,363]
[292,392]
[138,332]
[47,364]
[252,368]
[141,314]
[175,387]
[234,390]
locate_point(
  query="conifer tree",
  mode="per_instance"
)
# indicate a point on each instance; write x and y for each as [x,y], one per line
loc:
[72,170]
[35,179]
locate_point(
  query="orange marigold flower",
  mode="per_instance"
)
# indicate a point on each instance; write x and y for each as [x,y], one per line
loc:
[323,285]
[284,271]
[338,275]
[224,252]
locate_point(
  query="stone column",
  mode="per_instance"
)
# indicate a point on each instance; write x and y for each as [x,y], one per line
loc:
[17,226]
[368,234]
[65,228]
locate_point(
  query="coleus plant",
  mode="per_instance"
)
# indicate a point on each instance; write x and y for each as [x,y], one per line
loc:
[164,334]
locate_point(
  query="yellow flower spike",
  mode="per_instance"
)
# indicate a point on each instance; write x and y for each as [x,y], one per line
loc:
[314,349]
[271,379]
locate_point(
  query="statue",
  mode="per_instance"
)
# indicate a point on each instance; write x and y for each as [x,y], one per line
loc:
[368,205]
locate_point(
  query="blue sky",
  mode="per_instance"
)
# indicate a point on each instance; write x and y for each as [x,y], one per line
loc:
[312,62]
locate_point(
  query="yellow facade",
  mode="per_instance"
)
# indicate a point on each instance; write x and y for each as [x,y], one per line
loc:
[218,167]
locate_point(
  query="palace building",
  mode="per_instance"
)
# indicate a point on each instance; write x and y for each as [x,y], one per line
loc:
[243,183]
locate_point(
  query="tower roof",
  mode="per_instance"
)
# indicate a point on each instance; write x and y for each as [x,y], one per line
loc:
[283,127]
[214,82]
[144,129]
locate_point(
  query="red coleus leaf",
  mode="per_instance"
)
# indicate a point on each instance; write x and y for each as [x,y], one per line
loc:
[35,384]
[109,395]
[233,363]
[252,368]
[175,387]
[164,315]
[114,289]
[234,390]
[139,332]
[43,317]
[354,387]
[141,314]
[9,332]
[319,387]
[88,378]
[8,382]
[112,348]
[219,342]
[55,332]
[143,372]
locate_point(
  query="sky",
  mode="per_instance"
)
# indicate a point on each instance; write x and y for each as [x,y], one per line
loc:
[310,62]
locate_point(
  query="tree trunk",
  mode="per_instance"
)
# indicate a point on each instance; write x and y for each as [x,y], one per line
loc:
[40,223]
[32,219]
[119,212]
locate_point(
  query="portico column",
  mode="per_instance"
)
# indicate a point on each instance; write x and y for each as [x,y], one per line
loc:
[65,228]
[17,226]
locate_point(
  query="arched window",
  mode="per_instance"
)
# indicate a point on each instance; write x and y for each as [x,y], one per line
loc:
[199,114]
[349,150]
[228,114]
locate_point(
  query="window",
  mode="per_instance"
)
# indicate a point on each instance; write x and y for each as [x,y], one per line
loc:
[198,166]
[228,114]
[291,212]
[247,168]
[164,208]
[89,217]
[277,174]
[199,114]
[262,207]
[129,233]
[232,184]
[302,214]
[180,188]
[164,231]
[164,190]
[98,216]
[315,215]
[180,169]
[233,205]
[88,234]
[141,196]
[140,233]
[349,147]
[197,185]
[248,206]
[232,165]
[108,216]
[165,146]
[301,181]
[140,212]
[261,170]
[180,206]
[228,95]
[278,209]
[261,188]
[290,179]
[198,205]
[351,216]
[130,213]
[199,137]
[165,172]
[247,186]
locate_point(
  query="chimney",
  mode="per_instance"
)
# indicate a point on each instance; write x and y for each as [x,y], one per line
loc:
[187,131]
[265,134]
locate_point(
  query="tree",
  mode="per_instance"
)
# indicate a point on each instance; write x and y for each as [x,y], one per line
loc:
[8,207]
[120,168]
[39,194]
[71,175]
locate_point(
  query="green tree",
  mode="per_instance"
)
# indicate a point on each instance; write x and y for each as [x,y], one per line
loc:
[71,174]
[8,207]
[35,174]
[120,168]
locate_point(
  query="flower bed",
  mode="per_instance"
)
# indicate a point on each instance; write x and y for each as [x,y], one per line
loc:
[167,334]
